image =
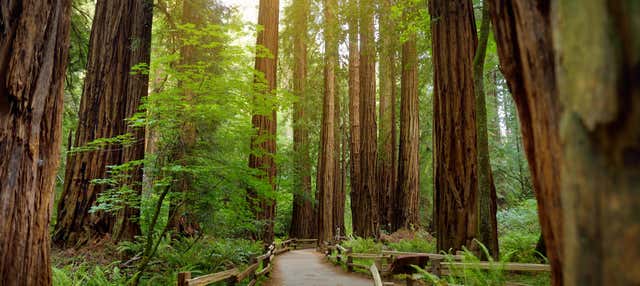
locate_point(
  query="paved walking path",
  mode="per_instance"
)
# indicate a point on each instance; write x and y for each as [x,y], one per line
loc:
[310,268]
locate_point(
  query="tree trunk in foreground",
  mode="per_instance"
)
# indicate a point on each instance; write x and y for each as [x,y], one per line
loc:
[367,204]
[302,218]
[455,170]
[326,163]
[263,144]
[387,155]
[406,213]
[487,198]
[33,57]
[354,112]
[522,32]
[597,74]
[120,39]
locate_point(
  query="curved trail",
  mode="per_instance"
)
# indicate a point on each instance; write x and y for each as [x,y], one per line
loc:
[310,268]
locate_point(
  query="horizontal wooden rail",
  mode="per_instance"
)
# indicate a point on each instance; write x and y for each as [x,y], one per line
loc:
[233,276]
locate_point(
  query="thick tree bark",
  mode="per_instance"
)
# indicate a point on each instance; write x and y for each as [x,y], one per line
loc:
[263,144]
[387,155]
[523,35]
[120,39]
[326,162]
[366,224]
[354,112]
[597,74]
[33,57]
[487,198]
[339,187]
[301,222]
[455,171]
[407,202]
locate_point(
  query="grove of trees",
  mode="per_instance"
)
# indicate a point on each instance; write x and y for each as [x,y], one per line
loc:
[159,135]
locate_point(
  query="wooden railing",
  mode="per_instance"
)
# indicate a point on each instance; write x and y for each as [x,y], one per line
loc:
[387,263]
[260,266]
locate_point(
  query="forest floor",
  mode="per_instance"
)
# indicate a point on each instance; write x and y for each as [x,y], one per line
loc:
[308,267]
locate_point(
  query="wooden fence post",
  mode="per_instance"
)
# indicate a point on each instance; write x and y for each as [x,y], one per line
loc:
[349,263]
[183,277]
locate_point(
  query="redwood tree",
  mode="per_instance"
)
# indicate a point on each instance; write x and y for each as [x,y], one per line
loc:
[354,110]
[597,72]
[366,223]
[407,208]
[523,33]
[120,39]
[327,155]
[455,164]
[263,143]
[302,223]
[387,115]
[33,56]
[487,198]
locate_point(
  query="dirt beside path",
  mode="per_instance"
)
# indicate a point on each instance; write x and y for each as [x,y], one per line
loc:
[310,268]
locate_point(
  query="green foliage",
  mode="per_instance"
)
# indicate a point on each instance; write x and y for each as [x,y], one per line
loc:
[422,242]
[364,245]
[88,275]
[519,231]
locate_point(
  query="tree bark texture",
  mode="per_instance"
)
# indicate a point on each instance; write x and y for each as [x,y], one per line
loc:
[301,222]
[354,111]
[455,171]
[326,163]
[33,57]
[387,153]
[523,35]
[339,187]
[597,74]
[366,224]
[120,39]
[263,144]
[487,198]
[406,213]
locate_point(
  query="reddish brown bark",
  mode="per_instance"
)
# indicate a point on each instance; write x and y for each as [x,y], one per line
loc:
[263,144]
[302,222]
[365,224]
[33,57]
[523,35]
[407,203]
[327,161]
[387,154]
[111,95]
[454,43]
[354,111]
[339,183]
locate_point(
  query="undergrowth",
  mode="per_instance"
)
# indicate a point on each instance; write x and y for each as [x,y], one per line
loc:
[198,255]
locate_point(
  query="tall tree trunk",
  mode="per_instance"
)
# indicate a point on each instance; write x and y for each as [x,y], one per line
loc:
[387,130]
[597,75]
[367,205]
[263,144]
[487,198]
[407,204]
[354,112]
[120,39]
[301,227]
[339,189]
[455,154]
[33,57]
[522,31]
[326,163]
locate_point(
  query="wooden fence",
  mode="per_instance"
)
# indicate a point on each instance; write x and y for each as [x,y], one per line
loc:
[389,263]
[260,266]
